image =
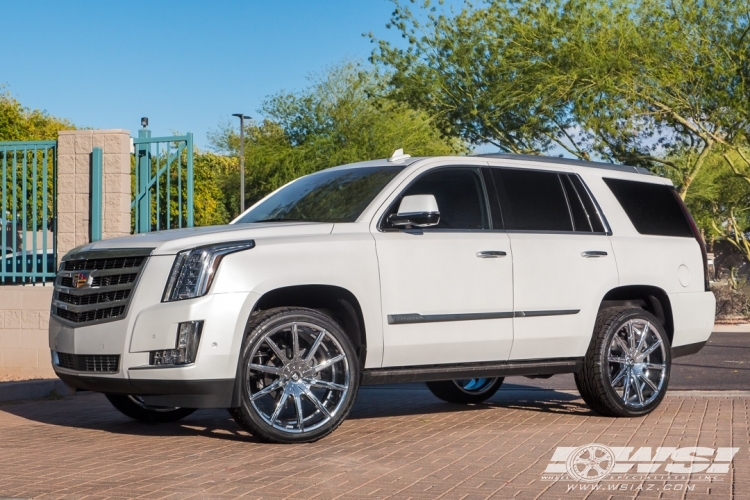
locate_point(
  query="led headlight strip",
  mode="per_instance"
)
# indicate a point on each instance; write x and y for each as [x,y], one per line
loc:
[194,270]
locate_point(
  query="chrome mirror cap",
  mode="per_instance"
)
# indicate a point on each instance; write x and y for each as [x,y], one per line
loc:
[420,210]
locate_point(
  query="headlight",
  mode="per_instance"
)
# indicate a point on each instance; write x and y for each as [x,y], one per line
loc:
[194,270]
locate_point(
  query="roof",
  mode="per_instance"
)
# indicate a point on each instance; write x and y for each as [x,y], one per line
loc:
[566,161]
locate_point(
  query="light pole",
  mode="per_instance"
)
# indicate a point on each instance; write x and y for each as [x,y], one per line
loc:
[242,118]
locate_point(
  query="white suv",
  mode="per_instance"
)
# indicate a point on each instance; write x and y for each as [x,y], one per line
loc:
[455,271]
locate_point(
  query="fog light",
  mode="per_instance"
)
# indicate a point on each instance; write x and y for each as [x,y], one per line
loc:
[186,348]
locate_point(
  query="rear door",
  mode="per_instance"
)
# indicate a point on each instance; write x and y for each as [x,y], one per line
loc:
[563,262]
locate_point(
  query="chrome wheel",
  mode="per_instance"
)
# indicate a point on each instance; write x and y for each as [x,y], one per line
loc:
[139,401]
[475,385]
[297,377]
[637,363]
[135,407]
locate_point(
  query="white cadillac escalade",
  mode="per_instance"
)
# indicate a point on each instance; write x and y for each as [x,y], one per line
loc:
[454,271]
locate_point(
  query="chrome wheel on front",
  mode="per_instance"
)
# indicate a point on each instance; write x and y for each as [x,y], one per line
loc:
[160,409]
[637,363]
[465,391]
[135,407]
[475,385]
[299,376]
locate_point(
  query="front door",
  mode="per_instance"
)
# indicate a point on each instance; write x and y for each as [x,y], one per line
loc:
[447,291]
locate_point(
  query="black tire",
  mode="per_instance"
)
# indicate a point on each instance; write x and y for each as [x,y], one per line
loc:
[465,391]
[602,382]
[135,408]
[316,410]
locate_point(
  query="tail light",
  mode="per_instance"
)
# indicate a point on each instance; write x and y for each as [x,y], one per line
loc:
[699,239]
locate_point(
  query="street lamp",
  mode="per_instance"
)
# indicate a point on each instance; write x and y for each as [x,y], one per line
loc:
[242,118]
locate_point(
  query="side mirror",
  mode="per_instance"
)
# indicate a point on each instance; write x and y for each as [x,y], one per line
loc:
[419,210]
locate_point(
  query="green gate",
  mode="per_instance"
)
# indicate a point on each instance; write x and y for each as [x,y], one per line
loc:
[163,190]
[28,213]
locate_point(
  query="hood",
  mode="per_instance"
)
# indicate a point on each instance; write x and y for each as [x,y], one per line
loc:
[175,240]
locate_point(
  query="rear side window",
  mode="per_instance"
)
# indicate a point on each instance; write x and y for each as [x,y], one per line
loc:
[532,201]
[652,208]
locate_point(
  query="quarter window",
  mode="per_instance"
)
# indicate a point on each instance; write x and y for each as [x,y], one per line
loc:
[652,208]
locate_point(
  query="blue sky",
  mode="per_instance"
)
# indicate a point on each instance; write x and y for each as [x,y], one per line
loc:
[187,65]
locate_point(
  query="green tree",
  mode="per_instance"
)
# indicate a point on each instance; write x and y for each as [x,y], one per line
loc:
[660,83]
[19,123]
[209,199]
[340,118]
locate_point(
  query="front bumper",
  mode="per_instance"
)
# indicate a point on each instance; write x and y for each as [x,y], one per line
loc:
[151,325]
[182,393]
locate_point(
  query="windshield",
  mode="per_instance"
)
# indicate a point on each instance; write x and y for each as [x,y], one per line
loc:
[338,195]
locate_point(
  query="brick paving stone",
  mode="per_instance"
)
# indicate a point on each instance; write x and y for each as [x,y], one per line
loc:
[397,444]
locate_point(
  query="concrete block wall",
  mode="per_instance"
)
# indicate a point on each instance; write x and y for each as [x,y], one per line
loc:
[25,310]
[24,344]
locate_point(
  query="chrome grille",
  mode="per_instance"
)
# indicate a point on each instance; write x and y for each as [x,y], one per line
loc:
[95,264]
[88,316]
[107,363]
[97,286]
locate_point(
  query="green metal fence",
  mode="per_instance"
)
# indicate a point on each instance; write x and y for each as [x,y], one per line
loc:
[163,190]
[28,211]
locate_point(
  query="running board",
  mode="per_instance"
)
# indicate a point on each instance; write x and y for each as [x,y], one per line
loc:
[429,373]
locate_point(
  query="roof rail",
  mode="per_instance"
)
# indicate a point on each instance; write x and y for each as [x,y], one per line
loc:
[566,161]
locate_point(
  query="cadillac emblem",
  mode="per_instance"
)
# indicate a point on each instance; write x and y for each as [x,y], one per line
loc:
[81,280]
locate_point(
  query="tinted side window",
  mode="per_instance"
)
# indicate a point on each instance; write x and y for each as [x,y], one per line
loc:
[532,200]
[593,215]
[460,197]
[652,208]
[581,220]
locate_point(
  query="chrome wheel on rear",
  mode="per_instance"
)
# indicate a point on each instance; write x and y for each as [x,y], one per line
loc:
[625,372]
[637,363]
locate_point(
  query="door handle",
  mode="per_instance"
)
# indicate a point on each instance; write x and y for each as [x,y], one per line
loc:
[593,254]
[491,254]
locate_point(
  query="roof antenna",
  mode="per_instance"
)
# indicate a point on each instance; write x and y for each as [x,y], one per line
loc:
[398,155]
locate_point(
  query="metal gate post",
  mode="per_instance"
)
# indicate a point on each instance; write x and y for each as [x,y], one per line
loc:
[95,203]
[143,223]
[189,179]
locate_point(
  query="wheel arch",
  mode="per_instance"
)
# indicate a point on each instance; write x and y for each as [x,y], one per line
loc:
[337,302]
[651,298]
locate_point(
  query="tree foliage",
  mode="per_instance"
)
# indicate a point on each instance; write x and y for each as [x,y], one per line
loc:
[340,118]
[660,83]
[19,123]
[25,171]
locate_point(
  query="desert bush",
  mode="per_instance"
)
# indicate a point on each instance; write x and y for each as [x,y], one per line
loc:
[731,302]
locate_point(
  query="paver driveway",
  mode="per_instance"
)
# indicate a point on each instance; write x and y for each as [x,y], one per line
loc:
[400,442]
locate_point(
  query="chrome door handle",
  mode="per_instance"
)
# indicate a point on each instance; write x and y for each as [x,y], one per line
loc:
[593,254]
[491,254]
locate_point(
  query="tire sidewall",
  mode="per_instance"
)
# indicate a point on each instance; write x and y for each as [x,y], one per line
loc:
[255,331]
[603,360]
